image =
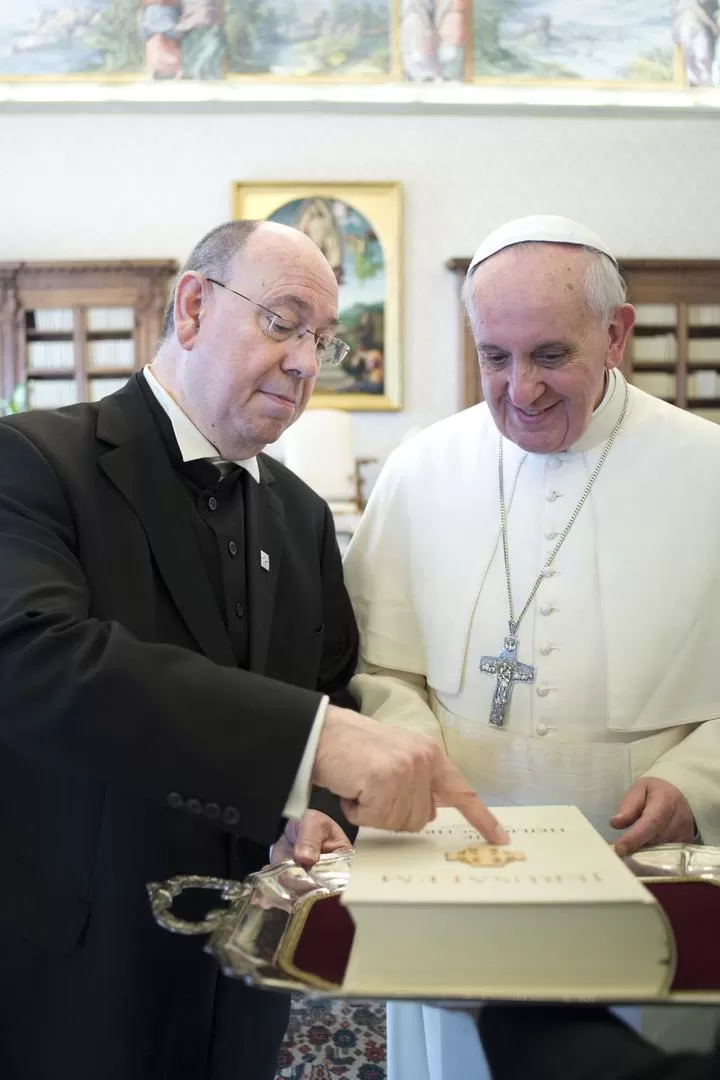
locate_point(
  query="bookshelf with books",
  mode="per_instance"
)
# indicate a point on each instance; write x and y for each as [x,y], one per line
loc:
[674,351]
[76,331]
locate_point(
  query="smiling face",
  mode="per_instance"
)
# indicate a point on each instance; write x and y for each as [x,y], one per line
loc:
[543,351]
[240,386]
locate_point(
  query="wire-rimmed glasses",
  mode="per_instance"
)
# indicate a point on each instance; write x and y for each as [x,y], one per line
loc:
[329,350]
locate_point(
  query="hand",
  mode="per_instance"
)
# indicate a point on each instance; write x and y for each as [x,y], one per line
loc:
[658,814]
[304,841]
[393,779]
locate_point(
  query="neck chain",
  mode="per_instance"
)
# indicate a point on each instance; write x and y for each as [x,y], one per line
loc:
[506,666]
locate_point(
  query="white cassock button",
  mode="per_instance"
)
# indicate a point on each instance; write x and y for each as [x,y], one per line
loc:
[545,650]
[550,535]
[552,496]
[541,729]
[555,463]
[548,571]
[547,609]
[543,690]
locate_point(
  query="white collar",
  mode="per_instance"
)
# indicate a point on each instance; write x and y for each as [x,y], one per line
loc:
[605,416]
[192,443]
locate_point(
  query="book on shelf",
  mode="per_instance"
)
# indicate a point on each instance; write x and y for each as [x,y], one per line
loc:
[703,384]
[701,349]
[655,314]
[555,913]
[50,355]
[53,320]
[113,353]
[100,388]
[51,393]
[110,318]
[658,383]
[704,315]
[660,348]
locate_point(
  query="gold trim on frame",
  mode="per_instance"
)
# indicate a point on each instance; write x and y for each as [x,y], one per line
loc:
[381,204]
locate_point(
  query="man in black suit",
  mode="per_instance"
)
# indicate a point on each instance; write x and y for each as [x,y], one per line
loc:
[172,622]
[552,1042]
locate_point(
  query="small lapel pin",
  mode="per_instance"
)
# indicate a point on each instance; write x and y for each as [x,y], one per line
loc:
[264,560]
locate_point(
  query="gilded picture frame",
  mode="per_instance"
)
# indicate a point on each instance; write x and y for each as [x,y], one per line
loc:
[358,226]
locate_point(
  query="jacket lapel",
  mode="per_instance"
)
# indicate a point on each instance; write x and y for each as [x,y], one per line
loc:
[138,465]
[265,545]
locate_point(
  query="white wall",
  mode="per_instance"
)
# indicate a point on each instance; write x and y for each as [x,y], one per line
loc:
[118,185]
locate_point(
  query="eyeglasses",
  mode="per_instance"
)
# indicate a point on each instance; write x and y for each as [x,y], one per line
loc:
[329,350]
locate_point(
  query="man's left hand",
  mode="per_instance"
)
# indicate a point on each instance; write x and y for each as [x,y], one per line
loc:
[304,841]
[653,812]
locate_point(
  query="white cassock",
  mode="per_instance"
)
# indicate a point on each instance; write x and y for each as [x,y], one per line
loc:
[624,631]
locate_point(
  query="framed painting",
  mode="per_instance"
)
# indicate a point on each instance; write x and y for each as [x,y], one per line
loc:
[358,227]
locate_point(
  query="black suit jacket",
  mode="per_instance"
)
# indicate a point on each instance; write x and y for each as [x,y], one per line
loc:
[131,747]
[549,1042]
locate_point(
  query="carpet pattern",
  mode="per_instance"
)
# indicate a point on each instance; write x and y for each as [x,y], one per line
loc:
[333,1040]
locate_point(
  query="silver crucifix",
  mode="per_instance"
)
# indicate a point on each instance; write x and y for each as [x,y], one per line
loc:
[508,670]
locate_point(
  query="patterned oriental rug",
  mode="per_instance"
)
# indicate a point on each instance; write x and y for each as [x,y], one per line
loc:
[326,1040]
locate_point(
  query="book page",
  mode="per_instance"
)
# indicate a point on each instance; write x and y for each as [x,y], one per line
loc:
[555,855]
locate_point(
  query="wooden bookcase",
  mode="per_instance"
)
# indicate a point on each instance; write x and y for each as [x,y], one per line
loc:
[76,331]
[674,352]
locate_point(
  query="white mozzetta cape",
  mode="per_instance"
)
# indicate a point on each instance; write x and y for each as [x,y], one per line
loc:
[418,575]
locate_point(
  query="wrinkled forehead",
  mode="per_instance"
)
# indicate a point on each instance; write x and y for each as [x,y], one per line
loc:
[530,281]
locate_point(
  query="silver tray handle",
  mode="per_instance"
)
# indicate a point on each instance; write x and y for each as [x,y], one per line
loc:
[163,894]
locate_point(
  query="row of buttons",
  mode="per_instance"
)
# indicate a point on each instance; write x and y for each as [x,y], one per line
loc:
[233,549]
[229,815]
[542,690]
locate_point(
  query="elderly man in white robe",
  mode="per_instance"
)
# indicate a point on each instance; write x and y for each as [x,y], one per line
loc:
[537,579]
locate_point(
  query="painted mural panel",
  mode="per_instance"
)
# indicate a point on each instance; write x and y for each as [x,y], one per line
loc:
[316,38]
[603,41]
[196,39]
[656,43]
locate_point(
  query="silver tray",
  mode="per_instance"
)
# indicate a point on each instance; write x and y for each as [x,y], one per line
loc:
[679,861]
[248,936]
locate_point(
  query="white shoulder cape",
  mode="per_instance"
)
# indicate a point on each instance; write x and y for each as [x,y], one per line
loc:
[418,560]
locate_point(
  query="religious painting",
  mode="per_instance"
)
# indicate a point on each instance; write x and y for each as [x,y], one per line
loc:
[613,41]
[310,38]
[696,32]
[358,228]
[123,39]
[654,44]
[196,39]
[433,39]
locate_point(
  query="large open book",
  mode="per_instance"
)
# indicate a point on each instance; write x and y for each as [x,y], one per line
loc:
[554,913]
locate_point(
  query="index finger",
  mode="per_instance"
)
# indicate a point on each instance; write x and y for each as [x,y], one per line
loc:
[450,788]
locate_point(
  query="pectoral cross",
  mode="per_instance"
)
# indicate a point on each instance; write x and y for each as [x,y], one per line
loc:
[508,670]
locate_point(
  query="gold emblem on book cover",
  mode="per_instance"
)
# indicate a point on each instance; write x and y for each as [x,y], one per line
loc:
[485,856]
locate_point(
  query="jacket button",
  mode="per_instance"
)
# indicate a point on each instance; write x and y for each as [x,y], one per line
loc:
[232,547]
[194,806]
[231,815]
[212,811]
[212,503]
[175,801]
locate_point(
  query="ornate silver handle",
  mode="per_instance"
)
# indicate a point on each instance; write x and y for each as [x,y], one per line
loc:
[163,894]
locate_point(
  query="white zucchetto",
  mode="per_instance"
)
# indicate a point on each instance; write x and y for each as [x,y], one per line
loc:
[544,228]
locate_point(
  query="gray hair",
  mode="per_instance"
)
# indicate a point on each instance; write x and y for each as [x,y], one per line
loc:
[605,288]
[212,256]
